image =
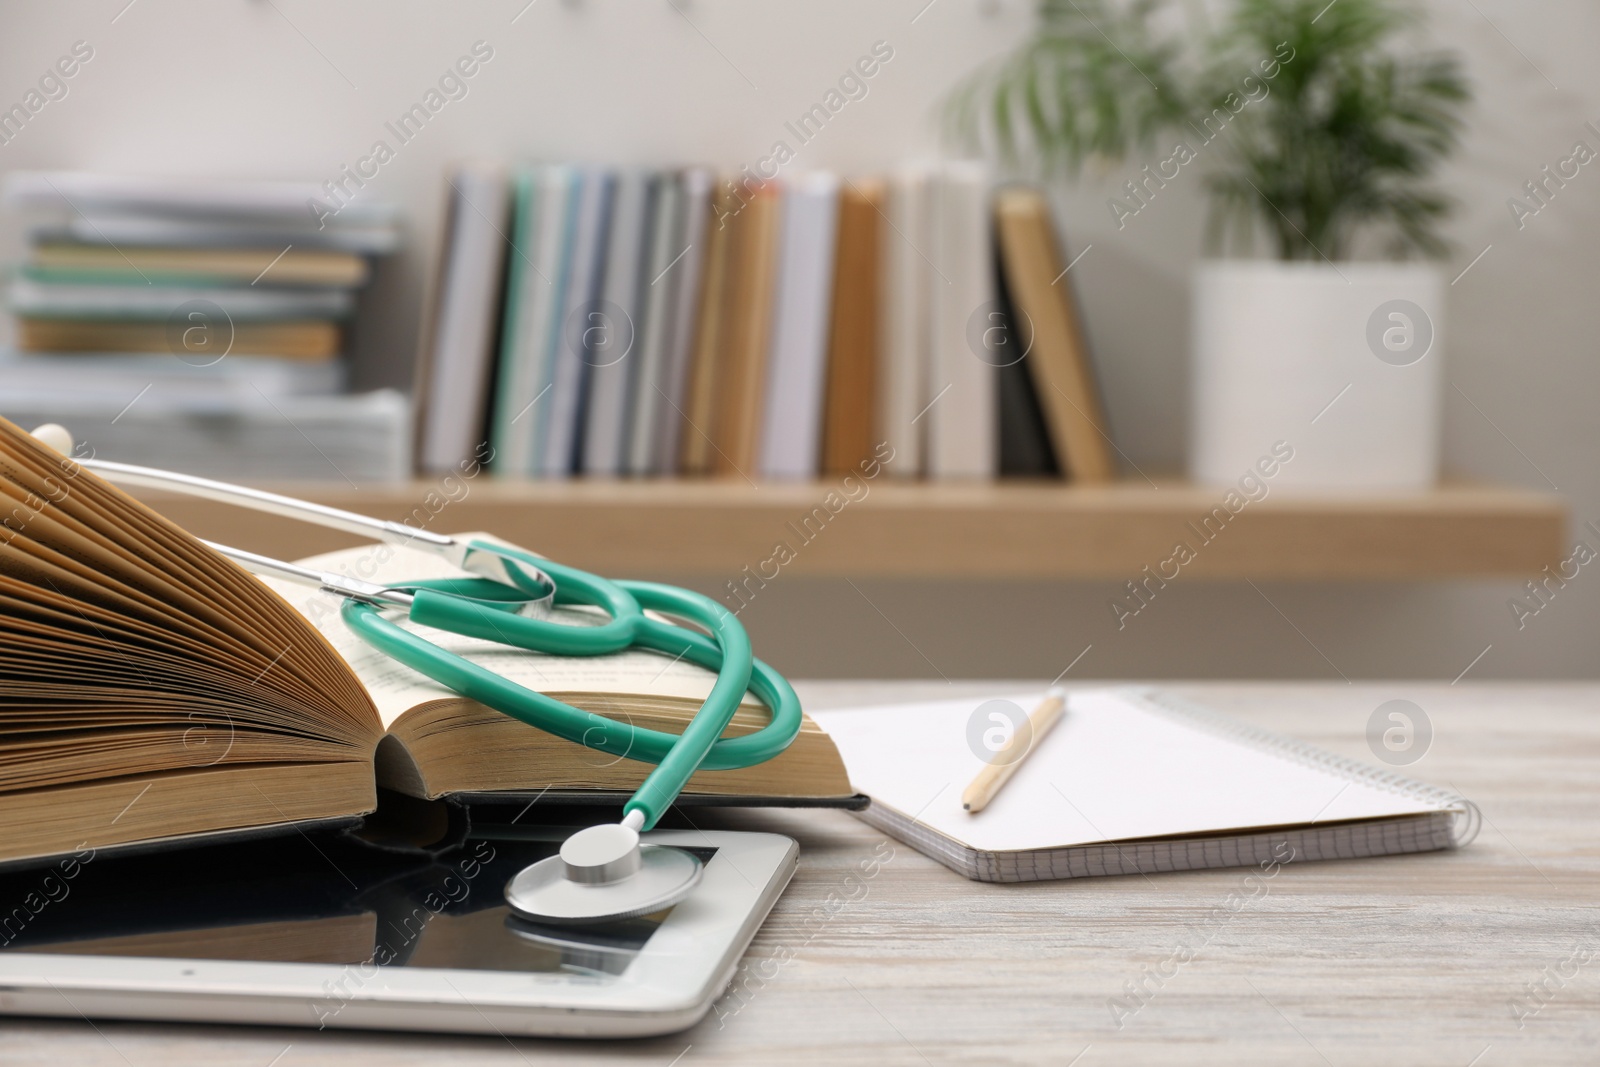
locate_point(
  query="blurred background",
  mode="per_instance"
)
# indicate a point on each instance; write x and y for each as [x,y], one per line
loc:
[951,571]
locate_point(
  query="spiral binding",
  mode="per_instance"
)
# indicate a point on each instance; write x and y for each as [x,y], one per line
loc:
[1466,820]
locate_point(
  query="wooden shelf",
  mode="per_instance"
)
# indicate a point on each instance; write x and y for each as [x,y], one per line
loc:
[943,531]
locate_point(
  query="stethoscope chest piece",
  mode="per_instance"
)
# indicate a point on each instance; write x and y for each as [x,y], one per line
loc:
[603,874]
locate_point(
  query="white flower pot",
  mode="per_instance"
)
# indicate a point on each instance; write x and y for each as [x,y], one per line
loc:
[1340,363]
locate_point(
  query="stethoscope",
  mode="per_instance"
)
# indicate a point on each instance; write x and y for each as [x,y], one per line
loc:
[602,873]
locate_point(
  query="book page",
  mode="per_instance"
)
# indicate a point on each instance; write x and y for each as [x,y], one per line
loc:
[1109,771]
[133,648]
[396,688]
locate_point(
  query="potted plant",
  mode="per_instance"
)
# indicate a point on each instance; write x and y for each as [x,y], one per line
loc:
[1316,133]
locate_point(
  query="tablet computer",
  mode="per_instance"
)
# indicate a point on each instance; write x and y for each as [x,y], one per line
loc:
[329,932]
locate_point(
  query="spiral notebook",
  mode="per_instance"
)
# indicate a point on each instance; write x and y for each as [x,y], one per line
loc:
[1131,781]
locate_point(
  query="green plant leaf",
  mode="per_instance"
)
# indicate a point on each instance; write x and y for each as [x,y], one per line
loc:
[1315,125]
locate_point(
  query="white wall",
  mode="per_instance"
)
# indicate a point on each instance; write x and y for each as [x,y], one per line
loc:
[297,89]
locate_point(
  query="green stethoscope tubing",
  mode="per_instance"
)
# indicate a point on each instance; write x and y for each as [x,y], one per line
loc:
[480,607]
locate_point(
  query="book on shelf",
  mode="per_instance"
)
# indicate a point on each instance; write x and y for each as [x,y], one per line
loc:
[252,427]
[61,261]
[797,355]
[285,203]
[288,277]
[31,298]
[905,337]
[853,378]
[665,322]
[653,333]
[705,361]
[458,337]
[127,231]
[687,276]
[234,279]
[963,440]
[1058,361]
[37,378]
[534,287]
[741,381]
[310,341]
[1026,450]
[208,226]
[611,328]
[518,362]
[542,343]
[249,706]
[575,329]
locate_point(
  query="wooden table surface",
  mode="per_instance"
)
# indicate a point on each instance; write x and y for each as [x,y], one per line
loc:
[1488,955]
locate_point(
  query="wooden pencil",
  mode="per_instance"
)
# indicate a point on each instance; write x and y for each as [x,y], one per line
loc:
[1004,763]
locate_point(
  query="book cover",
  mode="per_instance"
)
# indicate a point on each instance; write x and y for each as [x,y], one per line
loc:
[854,332]
[791,426]
[570,356]
[712,331]
[962,441]
[741,391]
[656,330]
[1025,449]
[460,363]
[614,329]
[905,341]
[1059,362]
[690,279]
[534,297]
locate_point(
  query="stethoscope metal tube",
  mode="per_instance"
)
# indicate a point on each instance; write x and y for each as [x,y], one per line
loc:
[603,872]
[475,557]
[329,581]
[289,507]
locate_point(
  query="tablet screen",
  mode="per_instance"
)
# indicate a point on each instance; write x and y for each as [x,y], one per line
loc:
[312,899]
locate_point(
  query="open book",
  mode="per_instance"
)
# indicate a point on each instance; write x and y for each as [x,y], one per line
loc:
[152,689]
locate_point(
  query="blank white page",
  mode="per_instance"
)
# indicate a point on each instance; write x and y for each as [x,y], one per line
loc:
[1111,770]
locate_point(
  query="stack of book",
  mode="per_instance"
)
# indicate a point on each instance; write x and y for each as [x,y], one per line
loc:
[631,322]
[179,322]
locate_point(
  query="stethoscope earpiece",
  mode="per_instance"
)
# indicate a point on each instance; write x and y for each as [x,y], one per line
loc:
[54,435]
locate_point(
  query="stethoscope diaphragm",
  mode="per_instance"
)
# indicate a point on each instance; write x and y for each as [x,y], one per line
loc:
[603,874]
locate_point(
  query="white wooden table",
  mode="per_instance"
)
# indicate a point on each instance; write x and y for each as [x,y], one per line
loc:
[1403,960]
